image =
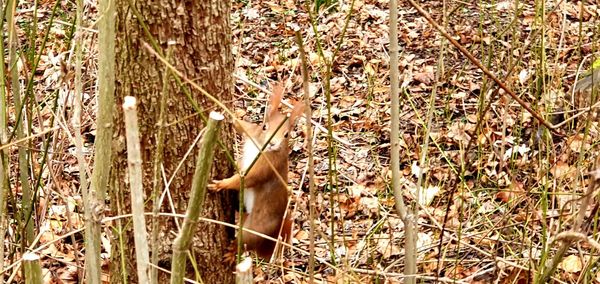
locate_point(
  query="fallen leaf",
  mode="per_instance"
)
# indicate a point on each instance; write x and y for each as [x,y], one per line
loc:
[571,264]
[386,247]
[561,169]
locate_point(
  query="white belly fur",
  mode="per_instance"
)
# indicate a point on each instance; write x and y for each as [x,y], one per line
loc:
[250,153]
[249,196]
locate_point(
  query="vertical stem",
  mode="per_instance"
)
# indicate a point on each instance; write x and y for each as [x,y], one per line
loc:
[407,217]
[102,160]
[395,123]
[134,165]
[205,158]
[94,269]
[3,153]
[32,268]
[27,202]
[309,153]
[157,181]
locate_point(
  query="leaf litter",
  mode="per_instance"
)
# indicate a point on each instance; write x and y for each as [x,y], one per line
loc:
[492,201]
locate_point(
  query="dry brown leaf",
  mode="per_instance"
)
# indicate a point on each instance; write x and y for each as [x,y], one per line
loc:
[562,170]
[576,143]
[386,247]
[302,235]
[571,264]
[424,77]
[513,193]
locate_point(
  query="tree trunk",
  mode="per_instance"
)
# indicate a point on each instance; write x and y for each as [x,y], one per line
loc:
[202,52]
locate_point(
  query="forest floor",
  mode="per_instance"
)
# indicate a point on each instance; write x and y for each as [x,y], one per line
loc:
[497,187]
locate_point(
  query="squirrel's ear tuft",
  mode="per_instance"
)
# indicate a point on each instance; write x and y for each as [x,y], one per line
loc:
[275,99]
[296,112]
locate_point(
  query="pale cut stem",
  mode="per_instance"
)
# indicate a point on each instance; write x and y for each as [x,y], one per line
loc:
[134,164]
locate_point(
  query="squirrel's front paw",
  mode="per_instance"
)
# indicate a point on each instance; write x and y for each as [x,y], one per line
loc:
[216,185]
[230,255]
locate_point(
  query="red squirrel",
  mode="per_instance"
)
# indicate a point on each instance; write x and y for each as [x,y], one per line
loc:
[265,182]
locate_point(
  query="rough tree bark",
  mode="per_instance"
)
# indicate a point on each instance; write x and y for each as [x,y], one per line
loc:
[202,52]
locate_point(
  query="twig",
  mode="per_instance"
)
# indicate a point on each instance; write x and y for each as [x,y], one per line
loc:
[309,153]
[577,223]
[134,161]
[4,180]
[487,72]
[315,123]
[571,236]
[406,215]
[158,159]
[243,273]
[33,271]
[204,161]
[93,265]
